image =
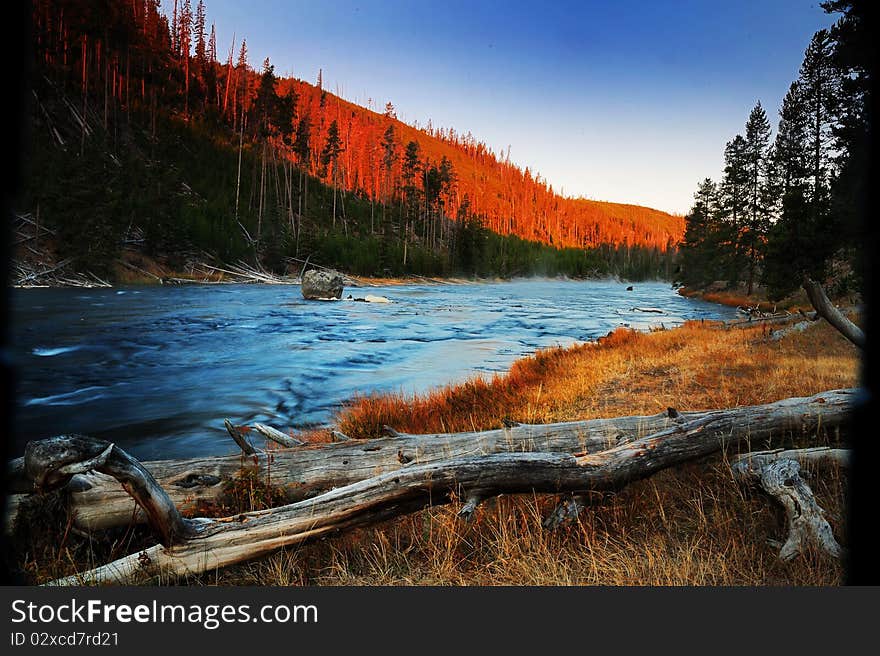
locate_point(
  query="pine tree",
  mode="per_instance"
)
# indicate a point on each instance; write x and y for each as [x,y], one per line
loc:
[854,59]
[212,89]
[820,83]
[330,158]
[199,31]
[698,257]
[733,205]
[212,45]
[757,220]
[788,250]
[185,29]
[389,157]
[241,91]
[302,150]
[807,233]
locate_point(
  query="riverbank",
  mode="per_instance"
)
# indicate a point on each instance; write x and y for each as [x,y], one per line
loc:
[693,525]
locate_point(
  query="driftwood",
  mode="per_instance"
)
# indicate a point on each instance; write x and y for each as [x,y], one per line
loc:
[778,474]
[97,502]
[200,545]
[52,463]
[826,309]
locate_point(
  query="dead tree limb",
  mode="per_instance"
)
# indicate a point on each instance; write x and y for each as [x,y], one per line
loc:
[566,511]
[308,470]
[277,436]
[52,463]
[778,474]
[239,438]
[825,309]
[816,456]
[218,543]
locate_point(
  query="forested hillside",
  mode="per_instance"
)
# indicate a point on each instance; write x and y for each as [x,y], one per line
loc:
[145,136]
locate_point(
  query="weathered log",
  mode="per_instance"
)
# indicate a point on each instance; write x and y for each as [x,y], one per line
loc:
[825,308]
[52,463]
[778,474]
[217,543]
[303,471]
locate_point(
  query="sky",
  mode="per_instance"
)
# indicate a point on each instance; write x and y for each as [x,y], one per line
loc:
[621,100]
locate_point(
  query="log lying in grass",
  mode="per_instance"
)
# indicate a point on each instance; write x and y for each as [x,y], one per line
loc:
[778,474]
[305,471]
[209,544]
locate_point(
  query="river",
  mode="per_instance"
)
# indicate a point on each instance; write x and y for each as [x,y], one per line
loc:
[157,369]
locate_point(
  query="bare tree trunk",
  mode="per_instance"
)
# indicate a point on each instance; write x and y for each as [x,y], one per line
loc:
[238,177]
[825,309]
[262,191]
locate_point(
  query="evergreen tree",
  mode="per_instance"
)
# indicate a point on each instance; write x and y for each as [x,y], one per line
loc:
[410,174]
[733,208]
[757,220]
[301,143]
[807,233]
[185,27]
[854,58]
[302,150]
[330,158]
[698,256]
[199,31]
[789,249]
[819,83]
[241,91]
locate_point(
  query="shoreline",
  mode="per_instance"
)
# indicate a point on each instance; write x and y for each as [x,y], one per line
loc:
[182,279]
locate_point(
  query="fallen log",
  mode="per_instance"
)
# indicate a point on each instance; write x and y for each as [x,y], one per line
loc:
[208,544]
[305,471]
[778,474]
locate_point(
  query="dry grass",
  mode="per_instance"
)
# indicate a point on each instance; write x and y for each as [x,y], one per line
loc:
[692,525]
[694,367]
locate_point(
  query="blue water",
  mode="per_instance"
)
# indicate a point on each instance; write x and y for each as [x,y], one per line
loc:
[157,369]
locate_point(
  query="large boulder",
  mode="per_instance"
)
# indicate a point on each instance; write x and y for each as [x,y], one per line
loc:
[321,285]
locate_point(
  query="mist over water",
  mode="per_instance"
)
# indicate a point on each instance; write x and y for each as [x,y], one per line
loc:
[157,369]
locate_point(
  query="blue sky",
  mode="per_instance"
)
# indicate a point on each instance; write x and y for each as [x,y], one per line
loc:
[628,101]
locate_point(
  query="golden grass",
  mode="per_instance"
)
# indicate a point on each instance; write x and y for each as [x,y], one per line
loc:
[693,367]
[689,526]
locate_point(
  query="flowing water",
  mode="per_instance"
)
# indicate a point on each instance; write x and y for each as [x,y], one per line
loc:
[157,369]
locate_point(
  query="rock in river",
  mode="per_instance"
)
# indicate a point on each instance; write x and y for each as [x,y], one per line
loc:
[321,285]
